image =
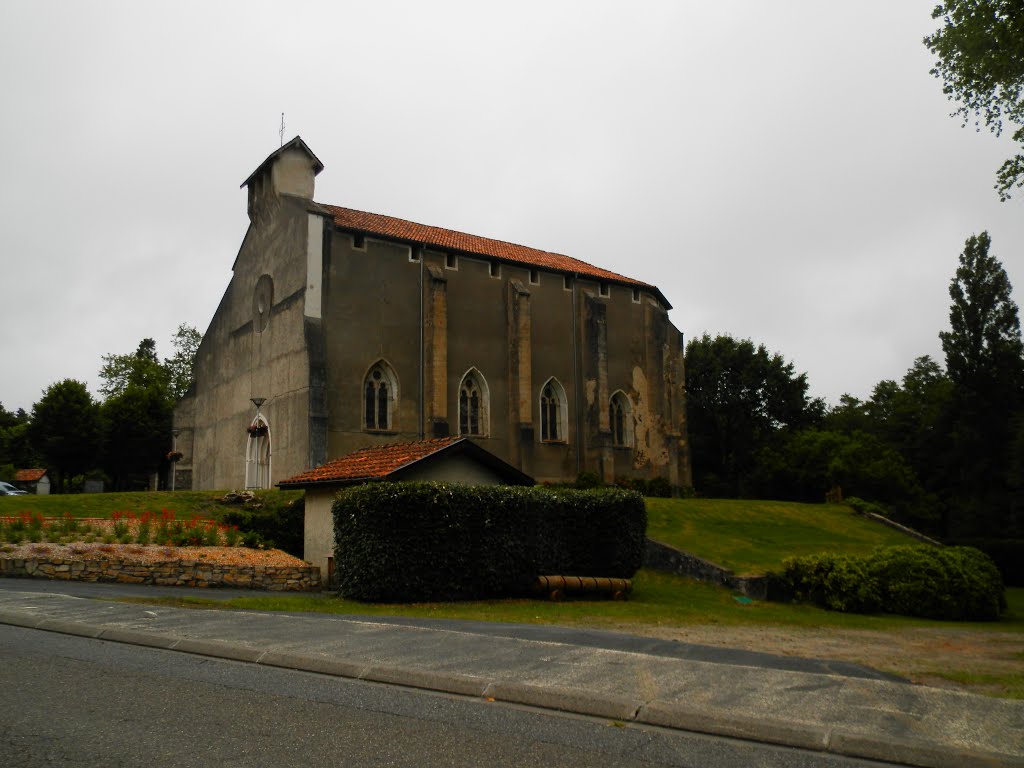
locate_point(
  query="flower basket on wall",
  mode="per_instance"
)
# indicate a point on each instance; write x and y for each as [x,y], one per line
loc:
[257,430]
[174,456]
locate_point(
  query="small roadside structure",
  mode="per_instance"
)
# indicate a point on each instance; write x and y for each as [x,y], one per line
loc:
[444,459]
[33,480]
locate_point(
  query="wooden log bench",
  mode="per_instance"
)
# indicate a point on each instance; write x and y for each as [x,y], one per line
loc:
[558,587]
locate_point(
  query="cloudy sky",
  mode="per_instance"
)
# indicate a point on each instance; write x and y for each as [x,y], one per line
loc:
[785,172]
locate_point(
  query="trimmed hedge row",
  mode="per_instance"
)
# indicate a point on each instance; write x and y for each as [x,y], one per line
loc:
[401,542]
[954,583]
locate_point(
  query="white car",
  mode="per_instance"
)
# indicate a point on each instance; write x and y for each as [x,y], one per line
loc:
[6,489]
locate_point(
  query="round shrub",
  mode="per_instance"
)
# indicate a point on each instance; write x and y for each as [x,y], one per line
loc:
[956,583]
[952,583]
[836,582]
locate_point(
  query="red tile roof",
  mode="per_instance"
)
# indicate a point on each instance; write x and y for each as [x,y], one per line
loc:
[373,463]
[460,242]
[29,475]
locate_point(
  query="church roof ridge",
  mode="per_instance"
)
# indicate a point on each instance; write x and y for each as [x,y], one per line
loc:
[364,222]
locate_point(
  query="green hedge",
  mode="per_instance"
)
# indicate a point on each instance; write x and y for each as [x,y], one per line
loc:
[955,583]
[402,542]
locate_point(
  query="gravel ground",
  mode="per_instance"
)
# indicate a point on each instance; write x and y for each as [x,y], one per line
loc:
[982,660]
[134,553]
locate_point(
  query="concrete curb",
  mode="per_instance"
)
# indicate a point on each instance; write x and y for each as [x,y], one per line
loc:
[447,682]
[677,715]
[564,699]
[683,717]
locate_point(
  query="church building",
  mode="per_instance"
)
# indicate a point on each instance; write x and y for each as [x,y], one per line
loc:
[342,330]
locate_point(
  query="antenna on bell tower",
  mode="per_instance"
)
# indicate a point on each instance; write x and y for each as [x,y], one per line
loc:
[282,129]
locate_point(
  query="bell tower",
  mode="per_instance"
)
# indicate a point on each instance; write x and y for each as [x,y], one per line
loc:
[290,170]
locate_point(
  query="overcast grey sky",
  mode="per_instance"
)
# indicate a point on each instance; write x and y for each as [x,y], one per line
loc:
[785,172]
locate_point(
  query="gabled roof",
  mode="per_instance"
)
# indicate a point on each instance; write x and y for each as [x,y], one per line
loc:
[297,142]
[386,462]
[29,475]
[450,240]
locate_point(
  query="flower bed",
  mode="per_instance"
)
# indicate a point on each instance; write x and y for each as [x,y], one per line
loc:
[145,549]
[161,528]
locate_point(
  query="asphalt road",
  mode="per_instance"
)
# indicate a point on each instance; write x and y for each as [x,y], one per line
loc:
[76,701]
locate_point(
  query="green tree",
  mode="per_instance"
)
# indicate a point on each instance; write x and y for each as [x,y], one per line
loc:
[8,423]
[849,416]
[9,419]
[980,50]
[136,414]
[739,399]
[912,418]
[983,346]
[137,428]
[139,367]
[179,366]
[144,367]
[809,462]
[985,365]
[65,430]
[15,449]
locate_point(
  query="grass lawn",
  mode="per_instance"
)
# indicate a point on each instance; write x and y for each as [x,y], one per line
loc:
[658,599]
[755,536]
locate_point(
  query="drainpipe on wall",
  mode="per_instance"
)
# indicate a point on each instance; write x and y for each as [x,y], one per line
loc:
[576,377]
[421,415]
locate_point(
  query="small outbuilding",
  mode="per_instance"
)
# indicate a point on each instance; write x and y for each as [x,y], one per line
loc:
[447,459]
[33,480]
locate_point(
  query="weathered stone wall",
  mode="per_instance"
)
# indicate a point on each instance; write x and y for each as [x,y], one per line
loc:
[516,328]
[662,557]
[181,573]
[901,528]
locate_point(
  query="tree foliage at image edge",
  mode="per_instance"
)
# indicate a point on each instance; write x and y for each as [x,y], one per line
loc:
[980,59]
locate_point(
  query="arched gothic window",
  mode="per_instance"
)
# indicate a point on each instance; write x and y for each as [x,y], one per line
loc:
[380,397]
[620,419]
[474,404]
[257,454]
[554,417]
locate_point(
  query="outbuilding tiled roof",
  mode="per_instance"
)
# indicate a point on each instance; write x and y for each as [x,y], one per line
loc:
[29,475]
[389,462]
[374,463]
[460,242]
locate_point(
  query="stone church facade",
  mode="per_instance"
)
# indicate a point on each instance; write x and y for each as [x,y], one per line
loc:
[342,329]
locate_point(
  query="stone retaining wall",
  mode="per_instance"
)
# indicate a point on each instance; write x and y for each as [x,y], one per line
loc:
[902,528]
[662,557]
[181,573]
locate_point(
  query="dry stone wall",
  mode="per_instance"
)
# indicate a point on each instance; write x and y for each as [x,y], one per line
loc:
[181,573]
[662,557]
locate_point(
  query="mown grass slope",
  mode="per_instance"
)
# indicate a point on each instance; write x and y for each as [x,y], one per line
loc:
[755,536]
